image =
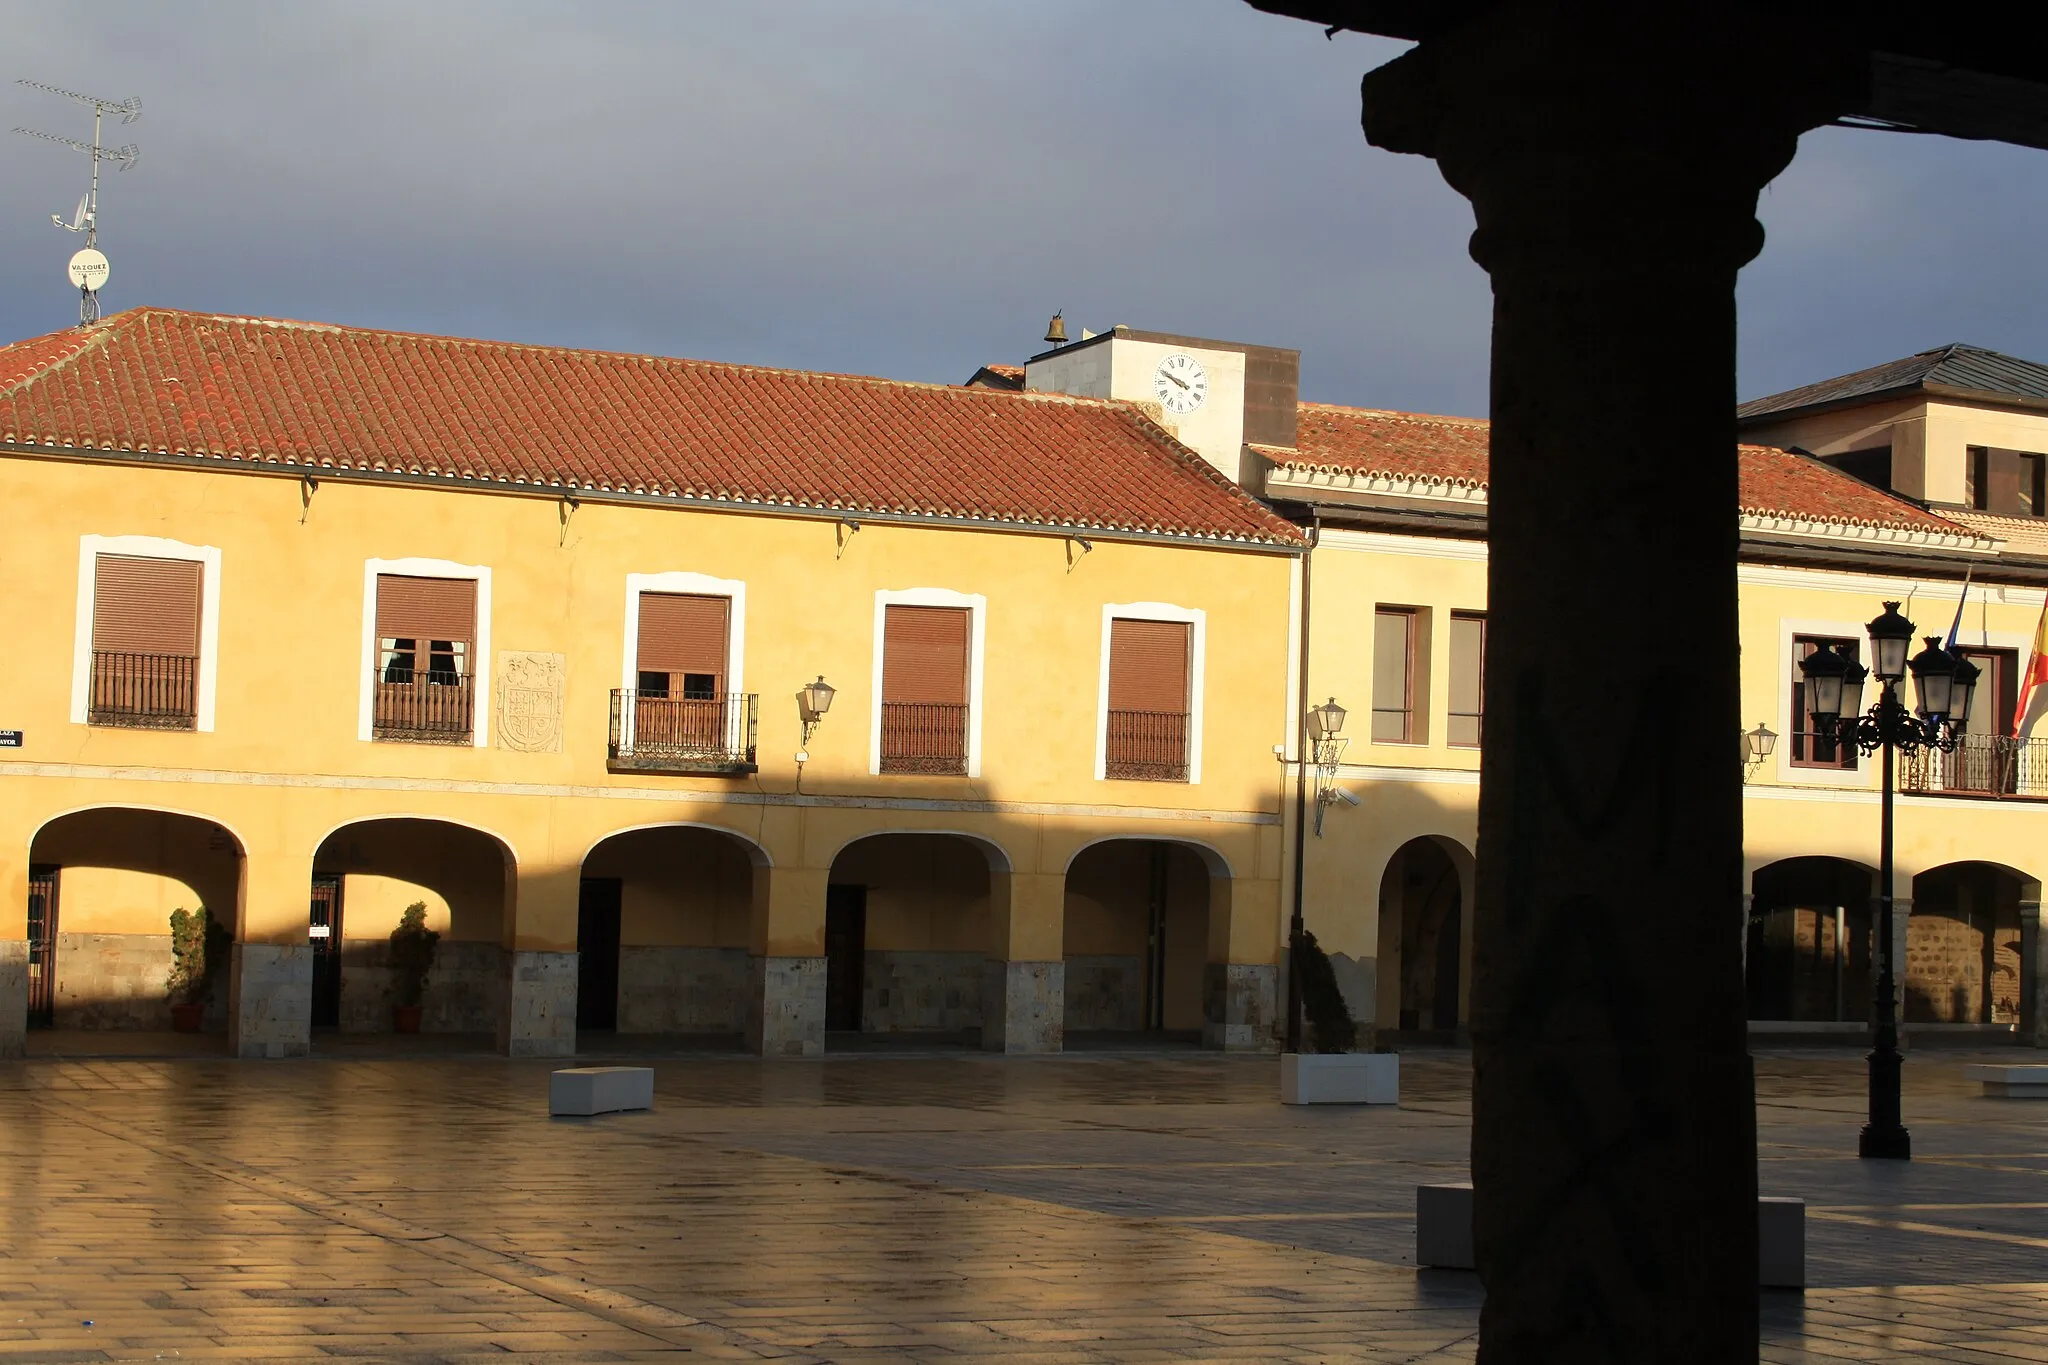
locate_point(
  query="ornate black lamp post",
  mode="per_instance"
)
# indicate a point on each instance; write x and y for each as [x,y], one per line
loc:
[1834,698]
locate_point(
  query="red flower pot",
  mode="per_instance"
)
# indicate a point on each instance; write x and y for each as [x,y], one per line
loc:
[406,1018]
[187,1018]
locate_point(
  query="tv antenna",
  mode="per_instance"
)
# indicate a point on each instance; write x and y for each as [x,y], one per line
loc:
[88,267]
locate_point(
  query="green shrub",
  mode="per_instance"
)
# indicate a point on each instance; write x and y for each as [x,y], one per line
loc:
[1331,1027]
[413,946]
[200,946]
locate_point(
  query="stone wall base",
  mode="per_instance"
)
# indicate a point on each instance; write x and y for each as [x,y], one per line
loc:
[1024,1006]
[1105,993]
[909,992]
[1238,1010]
[13,997]
[270,1000]
[465,990]
[682,990]
[786,1006]
[539,1017]
[115,981]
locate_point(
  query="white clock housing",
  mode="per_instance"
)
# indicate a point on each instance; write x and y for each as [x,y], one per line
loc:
[1180,384]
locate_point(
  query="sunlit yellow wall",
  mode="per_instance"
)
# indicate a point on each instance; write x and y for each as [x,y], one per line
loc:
[284,767]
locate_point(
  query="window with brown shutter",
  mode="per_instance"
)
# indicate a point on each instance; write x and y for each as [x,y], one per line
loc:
[1468,679]
[1817,744]
[924,689]
[679,703]
[426,640]
[145,642]
[1146,736]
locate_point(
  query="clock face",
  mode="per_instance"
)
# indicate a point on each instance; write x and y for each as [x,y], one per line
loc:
[1180,384]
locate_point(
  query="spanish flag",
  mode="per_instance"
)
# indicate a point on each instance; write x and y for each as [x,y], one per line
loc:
[2036,674]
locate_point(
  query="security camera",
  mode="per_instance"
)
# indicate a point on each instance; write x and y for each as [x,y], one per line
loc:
[1347,798]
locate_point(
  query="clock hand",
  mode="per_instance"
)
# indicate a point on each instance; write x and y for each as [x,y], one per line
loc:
[1176,379]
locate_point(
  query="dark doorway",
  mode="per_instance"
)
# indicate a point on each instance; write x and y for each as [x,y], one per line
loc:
[846,933]
[1444,1008]
[42,947]
[597,949]
[325,930]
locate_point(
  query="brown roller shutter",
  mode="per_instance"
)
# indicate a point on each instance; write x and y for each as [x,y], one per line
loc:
[411,608]
[684,633]
[1148,665]
[143,605]
[924,655]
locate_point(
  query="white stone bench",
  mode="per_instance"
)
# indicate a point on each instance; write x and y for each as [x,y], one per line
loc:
[2011,1082]
[1443,1234]
[586,1090]
[1340,1078]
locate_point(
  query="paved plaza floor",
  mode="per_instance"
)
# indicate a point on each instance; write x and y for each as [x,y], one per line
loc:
[1092,1207]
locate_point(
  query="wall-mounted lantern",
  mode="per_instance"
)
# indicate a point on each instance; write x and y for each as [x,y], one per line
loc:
[1326,734]
[813,700]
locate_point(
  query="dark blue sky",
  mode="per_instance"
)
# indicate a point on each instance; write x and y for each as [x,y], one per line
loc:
[905,189]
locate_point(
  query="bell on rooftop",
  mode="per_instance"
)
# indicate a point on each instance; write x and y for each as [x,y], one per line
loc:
[1056,330]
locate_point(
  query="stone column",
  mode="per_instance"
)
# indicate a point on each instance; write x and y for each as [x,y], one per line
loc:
[270,976]
[2033,977]
[1241,983]
[537,1011]
[786,963]
[1902,922]
[1613,156]
[14,952]
[1024,980]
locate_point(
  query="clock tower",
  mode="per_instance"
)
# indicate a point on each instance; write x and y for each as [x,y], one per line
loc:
[1216,397]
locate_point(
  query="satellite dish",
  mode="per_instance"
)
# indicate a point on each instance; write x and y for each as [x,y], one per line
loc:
[88,270]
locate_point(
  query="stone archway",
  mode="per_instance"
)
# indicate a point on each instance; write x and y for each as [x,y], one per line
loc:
[1137,939]
[1963,945]
[1807,945]
[103,884]
[1424,909]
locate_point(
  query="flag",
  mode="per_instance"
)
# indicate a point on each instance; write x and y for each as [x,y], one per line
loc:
[2036,674]
[1961,602]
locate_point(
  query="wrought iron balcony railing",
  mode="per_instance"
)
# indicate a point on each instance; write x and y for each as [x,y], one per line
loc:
[1982,765]
[144,691]
[656,732]
[924,737]
[424,708]
[1146,746]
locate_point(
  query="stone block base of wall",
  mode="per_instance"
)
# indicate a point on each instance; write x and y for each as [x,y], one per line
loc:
[539,1017]
[270,1000]
[1105,993]
[114,981]
[1238,1009]
[13,997]
[682,990]
[905,992]
[786,1006]
[1025,1006]
[464,993]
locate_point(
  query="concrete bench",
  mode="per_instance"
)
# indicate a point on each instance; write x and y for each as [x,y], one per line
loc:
[1443,1234]
[586,1090]
[2011,1082]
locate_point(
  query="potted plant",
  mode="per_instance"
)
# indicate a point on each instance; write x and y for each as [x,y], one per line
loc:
[413,946]
[200,946]
[1334,1072]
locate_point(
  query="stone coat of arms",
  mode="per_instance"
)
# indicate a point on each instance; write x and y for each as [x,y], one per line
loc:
[530,690]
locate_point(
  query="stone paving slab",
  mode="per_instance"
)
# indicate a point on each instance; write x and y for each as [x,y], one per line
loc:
[1094,1207]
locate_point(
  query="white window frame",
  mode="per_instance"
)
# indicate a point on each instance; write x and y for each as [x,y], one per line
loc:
[732,589]
[90,548]
[977,623]
[1789,628]
[480,729]
[1198,650]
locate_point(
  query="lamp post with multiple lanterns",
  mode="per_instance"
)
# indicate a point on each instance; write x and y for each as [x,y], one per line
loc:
[1323,731]
[1834,699]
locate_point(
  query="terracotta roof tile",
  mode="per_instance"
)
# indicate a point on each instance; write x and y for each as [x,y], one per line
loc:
[1453,450]
[295,393]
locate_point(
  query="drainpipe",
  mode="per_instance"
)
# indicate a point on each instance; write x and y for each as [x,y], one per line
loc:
[1294,928]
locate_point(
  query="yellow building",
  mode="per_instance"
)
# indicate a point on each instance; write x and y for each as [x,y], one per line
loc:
[325,622]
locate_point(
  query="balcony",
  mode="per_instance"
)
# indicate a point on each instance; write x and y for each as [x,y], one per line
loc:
[924,737]
[659,733]
[143,691]
[424,708]
[1982,765]
[1146,746]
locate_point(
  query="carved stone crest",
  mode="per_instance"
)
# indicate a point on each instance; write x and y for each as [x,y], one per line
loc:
[530,690]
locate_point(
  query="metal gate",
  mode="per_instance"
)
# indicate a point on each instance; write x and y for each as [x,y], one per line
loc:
[325,934]
[42,946]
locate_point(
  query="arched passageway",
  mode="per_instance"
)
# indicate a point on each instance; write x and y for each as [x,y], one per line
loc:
[1137,941]
[365,875]
[1806,954]
[1423,948]
[102,886]
[1963,945]
[907,934]
[661,932]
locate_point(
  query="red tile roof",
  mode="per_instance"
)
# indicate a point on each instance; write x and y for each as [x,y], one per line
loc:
[261,391]
[1453,450]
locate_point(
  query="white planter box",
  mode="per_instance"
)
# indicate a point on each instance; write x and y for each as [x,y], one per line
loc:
[2028,1082]
[1340,1078]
